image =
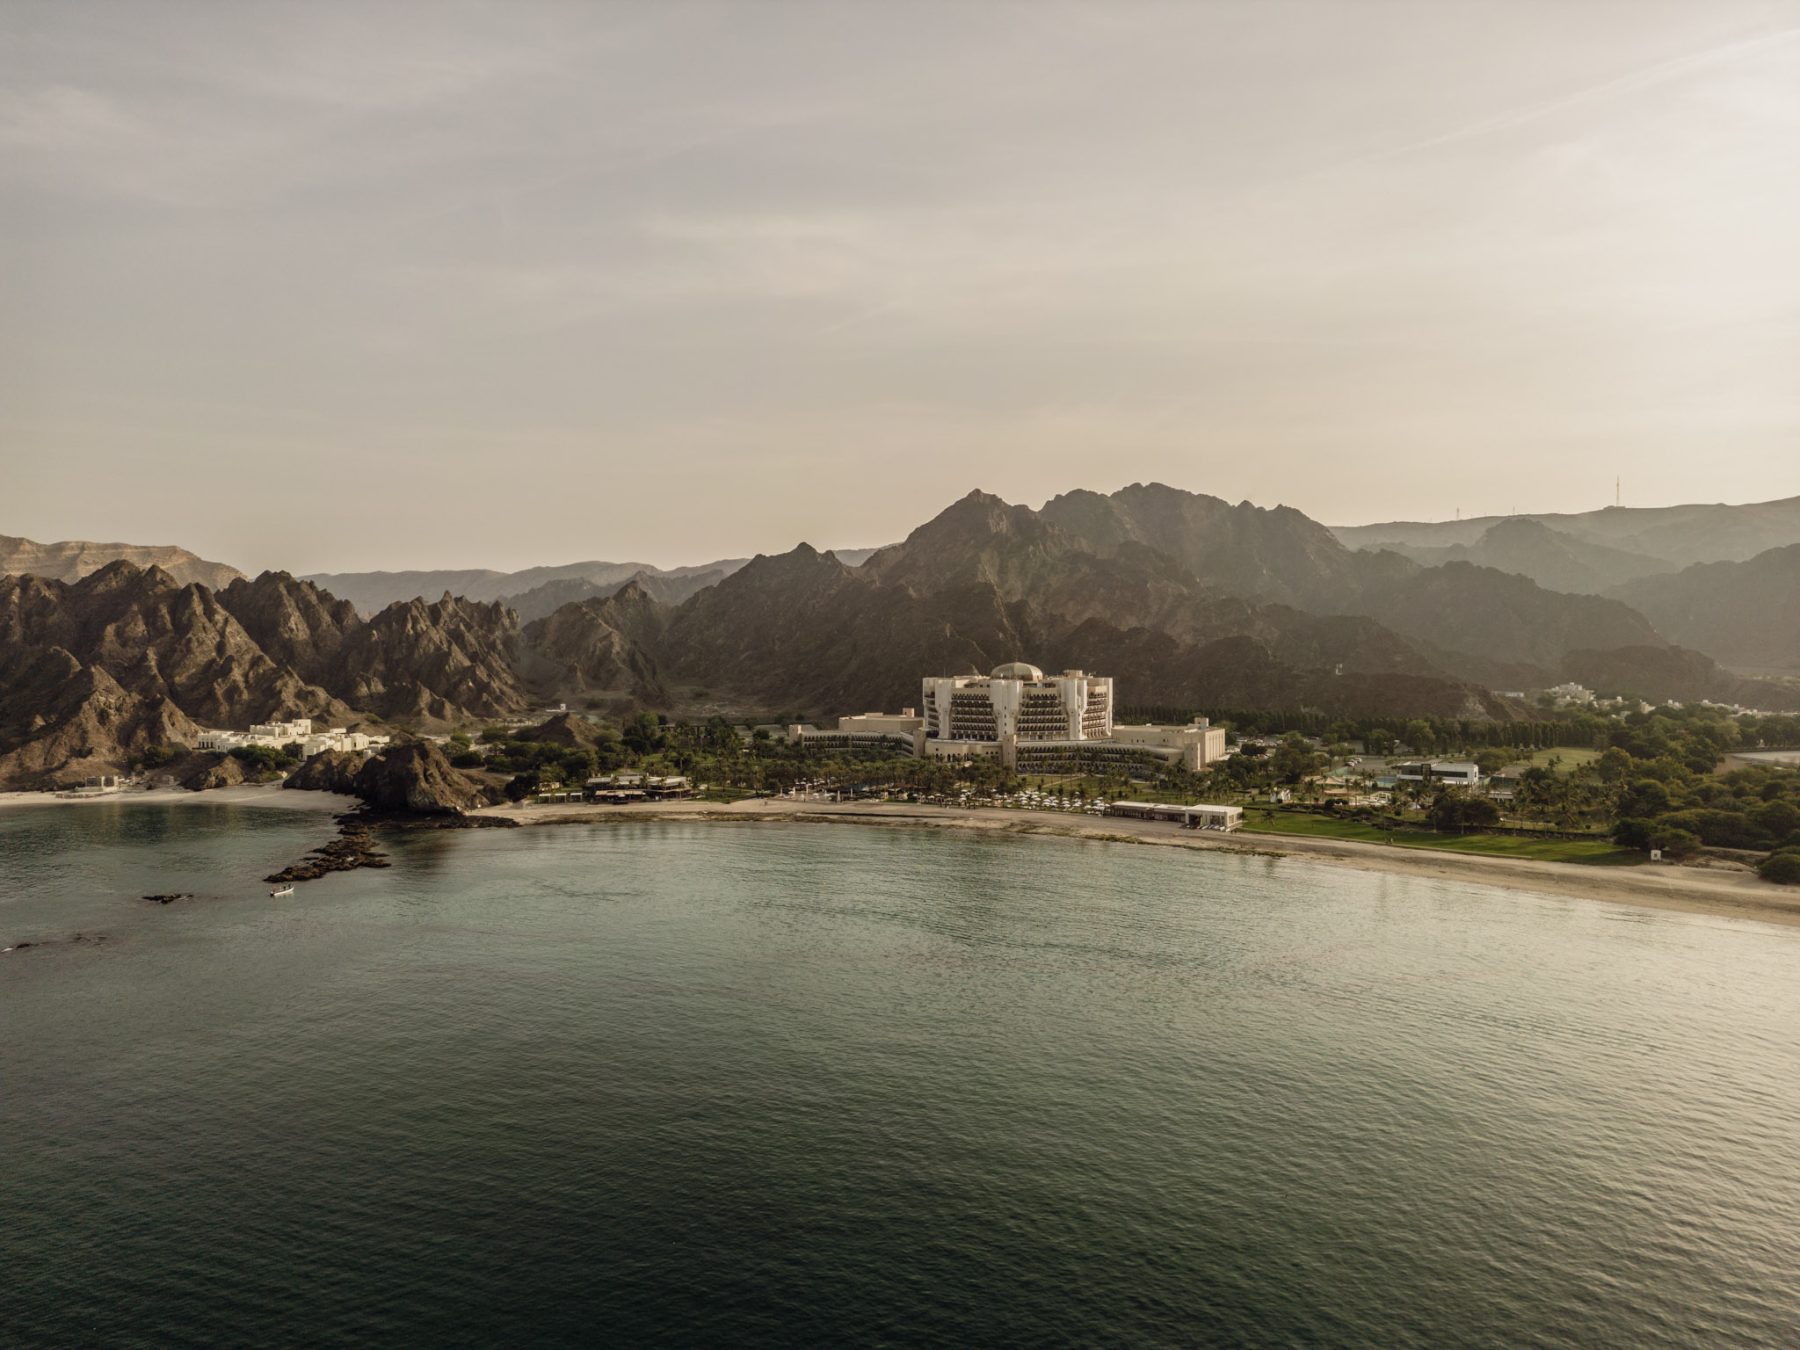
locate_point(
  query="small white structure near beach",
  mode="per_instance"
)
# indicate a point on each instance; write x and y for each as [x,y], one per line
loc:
[1194,816]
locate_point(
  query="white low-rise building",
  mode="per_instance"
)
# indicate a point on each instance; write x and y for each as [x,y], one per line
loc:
[1194,816]
[299,732]
[1036,723]
[1455,772]
[900,731]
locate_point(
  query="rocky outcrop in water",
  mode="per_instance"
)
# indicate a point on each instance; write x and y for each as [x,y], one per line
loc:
[353,847]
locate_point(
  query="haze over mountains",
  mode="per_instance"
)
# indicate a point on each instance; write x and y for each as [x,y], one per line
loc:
[1659,538]
[533,590]
[73,559]
[1190,602]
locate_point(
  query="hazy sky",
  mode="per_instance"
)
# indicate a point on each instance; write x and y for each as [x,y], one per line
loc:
[382,285]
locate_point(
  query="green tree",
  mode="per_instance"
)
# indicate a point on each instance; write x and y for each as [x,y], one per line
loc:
[1781,868]
[1457,811]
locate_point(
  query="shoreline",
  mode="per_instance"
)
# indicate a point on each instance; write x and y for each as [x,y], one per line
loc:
[241,794]
[1684,889]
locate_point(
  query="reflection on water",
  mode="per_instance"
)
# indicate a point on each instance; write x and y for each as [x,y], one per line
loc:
[690,1084]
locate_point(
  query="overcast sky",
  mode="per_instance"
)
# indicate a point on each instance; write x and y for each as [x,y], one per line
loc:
[381,285]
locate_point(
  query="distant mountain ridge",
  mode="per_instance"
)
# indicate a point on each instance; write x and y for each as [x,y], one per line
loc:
[1746,614]
[1555,560]
[1673,536]
[372,591]
[533,591]
[73,559]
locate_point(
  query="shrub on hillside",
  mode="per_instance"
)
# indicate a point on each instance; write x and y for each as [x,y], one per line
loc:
[1781,868]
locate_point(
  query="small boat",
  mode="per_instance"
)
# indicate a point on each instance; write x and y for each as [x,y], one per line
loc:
[281,891]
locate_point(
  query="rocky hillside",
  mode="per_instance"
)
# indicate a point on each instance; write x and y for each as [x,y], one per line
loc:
[73,559]
[1747,614]
[413,778]
[1186,599]
[96,670]
[986,582]
[601,646]
[444,661]
[293,622]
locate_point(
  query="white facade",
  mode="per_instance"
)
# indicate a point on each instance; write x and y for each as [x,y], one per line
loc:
[902,731]
[1456,772]
[1571,693]
[274,735]
[1198,816]
[1052,724]
[1199,744]
[1018,701]
[1027,720]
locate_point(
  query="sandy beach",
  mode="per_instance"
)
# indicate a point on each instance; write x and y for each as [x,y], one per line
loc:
[246,794]
[1731,894]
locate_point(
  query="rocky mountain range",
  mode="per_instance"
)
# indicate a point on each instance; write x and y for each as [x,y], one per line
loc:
[97,670]
[73,559]
[1188,601]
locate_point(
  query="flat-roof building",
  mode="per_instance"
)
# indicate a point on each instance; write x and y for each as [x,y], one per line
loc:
[1195,816]
[1029,721]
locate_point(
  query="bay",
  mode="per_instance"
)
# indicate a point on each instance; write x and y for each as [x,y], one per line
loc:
[803,1085]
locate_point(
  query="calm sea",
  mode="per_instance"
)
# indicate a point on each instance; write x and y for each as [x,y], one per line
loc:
[792,1085]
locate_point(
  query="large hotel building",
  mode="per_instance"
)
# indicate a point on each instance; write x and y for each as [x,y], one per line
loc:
[1028,720]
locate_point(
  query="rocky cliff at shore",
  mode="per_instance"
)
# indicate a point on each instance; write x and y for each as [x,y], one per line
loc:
[410,779]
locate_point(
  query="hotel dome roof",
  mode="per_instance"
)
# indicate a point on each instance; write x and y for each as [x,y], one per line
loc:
[1016,670]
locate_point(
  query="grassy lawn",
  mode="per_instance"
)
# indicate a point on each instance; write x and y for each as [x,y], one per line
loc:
[1595,852]
[1572,757]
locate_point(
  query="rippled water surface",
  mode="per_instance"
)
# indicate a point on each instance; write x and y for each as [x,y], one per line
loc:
[708,1084]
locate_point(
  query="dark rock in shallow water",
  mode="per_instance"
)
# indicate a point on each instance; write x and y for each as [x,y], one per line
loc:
[354,847]
[170,898]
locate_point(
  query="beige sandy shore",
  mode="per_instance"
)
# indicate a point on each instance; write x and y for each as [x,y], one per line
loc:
[1732,894]
[248,794]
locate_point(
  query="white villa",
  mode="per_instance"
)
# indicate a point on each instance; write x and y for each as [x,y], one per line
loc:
[297,732]
[1028,721]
